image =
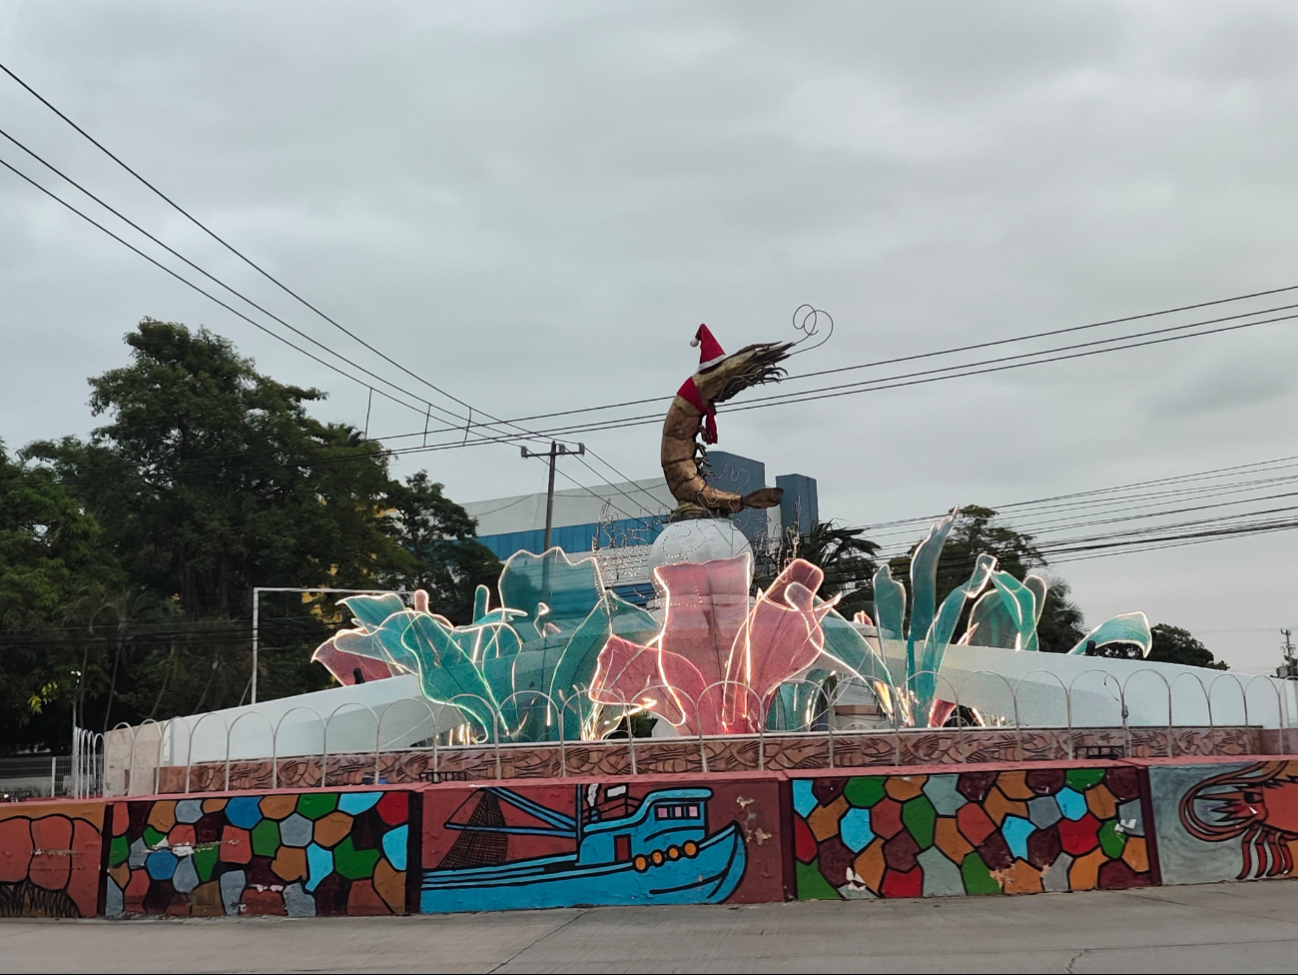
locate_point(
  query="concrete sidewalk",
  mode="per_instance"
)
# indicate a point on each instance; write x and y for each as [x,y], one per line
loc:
[1247,927]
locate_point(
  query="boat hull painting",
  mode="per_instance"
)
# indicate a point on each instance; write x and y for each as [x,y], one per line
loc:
[709,876]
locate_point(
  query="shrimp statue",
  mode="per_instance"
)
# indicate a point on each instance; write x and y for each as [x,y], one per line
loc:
[693,412]
[1259,803]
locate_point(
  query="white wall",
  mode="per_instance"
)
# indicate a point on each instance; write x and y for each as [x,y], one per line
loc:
[993,679]
[389,713]
[572,506]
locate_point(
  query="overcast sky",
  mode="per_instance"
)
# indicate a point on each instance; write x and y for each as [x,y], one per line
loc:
[533,205]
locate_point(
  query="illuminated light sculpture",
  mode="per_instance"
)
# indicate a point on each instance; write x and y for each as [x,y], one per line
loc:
[343,654]
[717,663]
[1005,616]
[517,672]
[563,657]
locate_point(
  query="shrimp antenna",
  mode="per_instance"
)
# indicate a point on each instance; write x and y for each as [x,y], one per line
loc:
[809,320]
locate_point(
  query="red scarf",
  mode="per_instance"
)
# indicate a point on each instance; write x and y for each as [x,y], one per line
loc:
[690,393]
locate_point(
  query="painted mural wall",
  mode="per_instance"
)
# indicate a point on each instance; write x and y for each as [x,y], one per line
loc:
[666,839]
[1225,821]
[649,840]
[985,832]
[287,853]
[50,859]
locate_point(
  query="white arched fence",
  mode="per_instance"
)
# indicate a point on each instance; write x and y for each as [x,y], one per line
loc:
[1139,705]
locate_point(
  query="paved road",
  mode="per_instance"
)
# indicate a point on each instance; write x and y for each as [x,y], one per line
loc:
[1233,928]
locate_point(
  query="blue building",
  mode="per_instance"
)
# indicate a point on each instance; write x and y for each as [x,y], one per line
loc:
[620,521]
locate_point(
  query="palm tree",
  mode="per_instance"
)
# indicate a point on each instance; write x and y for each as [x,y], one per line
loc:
[844,554]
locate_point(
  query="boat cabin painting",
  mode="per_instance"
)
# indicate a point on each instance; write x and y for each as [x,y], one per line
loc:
[563,844]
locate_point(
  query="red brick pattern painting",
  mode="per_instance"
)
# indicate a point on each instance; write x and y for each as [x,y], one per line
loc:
[49,859]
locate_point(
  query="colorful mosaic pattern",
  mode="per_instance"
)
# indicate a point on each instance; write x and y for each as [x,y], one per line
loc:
[981,832]
[296,854]
[49,859]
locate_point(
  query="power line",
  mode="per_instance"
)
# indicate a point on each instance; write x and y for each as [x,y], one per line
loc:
[1057,331]
[189,284]
[297,331]
[233,291]
[252,264]
[805,394]
[923,377]
[1015,361]
[1277,463]
[648,494]
[1119,510]
[619,490]
[1039,357]
[497,421]
[1110,495]
[222,465]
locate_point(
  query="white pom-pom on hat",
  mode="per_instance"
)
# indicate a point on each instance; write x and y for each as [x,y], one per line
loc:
[711,351]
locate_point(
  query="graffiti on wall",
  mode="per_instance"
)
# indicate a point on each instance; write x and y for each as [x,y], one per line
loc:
[1226,821]
[49,859]
[985,832]
[295,854]
[557,845]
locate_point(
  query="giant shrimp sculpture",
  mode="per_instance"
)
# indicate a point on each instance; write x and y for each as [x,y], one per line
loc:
[693,413]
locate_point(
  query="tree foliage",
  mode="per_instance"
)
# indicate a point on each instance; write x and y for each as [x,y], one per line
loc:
[439,552]
[49,550]
[1172,645]
[977,530]
[128,559]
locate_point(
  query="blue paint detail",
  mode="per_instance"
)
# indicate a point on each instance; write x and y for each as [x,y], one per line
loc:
[355,803]
[1016,831]
[319,864]
[804,801]
[161,864]
[1071,803]
[665,822]
[854,829]
[243,811]
[394,846]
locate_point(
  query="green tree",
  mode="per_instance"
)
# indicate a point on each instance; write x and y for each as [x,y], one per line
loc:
[441,553]
[977,530]
[1171,645]
[1174,645]
[209,479]
[50,553]
[848,560]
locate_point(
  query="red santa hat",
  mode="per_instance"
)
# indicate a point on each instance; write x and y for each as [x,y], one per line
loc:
[710,351]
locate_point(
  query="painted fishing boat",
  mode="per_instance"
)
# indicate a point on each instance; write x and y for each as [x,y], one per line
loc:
[657,851]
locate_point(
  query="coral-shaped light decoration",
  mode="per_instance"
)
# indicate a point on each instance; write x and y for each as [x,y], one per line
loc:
[517,672]
[717,663]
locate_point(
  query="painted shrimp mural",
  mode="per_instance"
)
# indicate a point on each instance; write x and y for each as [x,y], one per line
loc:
[1257,804]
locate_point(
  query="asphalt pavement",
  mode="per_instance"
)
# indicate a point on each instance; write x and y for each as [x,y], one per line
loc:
[1237,928]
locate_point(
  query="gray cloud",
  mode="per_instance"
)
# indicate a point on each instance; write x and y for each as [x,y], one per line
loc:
[533,204]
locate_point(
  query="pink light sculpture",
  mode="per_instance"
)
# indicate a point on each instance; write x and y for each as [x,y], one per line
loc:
[716,663]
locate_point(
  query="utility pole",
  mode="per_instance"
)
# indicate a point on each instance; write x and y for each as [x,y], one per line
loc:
[1289,668]
[556,451]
